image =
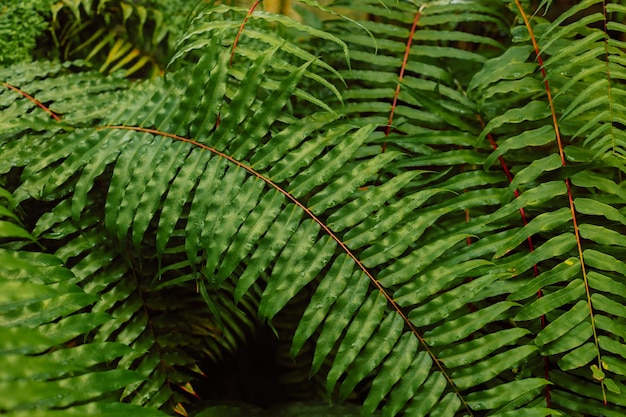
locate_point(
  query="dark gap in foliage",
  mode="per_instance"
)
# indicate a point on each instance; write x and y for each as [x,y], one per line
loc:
[249,375]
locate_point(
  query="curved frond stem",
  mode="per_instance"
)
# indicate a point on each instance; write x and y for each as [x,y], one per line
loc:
[33,99]
[327,230]
[245,20]
[405,61]
[522,212]
[531,248]
[569,188]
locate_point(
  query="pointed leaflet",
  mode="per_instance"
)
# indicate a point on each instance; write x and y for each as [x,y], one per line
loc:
[156,187]
[63,392]
[510,65]
[543,222]
[427,396]
[376,350]
[73,326]
[552,300]
[386,218]
[534,137]
[239,106]
[393,369]
[11,230]
[563,324]
[535,196]
[359,332]
[257,126]
[367,202]
[535,169]
[226,213]
[555,247]
[205,85]
[272,242]
[561,32]
[326,294]
[281,64]
[491,367]
[441,307]
[34,267]
[570,340]
[410,382]
[208,187]
[255,225]
[339,317]
[122,177]
[447,115]
[432,281]
[276,149]
[394,243]
[295,161]
[282,288]
[455,330]
[136,185]
[417,261]
[346,185]
[57,148]
[212,98]
[179,191]
[107,152]
[323,169]
[476,350]
[43,311]
[563,272]
[501,395]
[535,110]
[59,363]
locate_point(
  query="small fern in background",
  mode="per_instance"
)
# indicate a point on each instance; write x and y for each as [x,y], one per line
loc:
[21,24]
[426,206]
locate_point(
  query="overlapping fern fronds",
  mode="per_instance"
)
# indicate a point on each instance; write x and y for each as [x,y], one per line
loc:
[45,364]
[456,209]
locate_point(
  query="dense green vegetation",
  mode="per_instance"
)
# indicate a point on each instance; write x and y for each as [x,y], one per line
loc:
[208,209]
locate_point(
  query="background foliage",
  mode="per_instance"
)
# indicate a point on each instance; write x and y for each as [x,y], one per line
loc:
[20,25]
[425,205]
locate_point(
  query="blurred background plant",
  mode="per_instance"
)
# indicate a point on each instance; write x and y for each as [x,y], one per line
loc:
[21,24]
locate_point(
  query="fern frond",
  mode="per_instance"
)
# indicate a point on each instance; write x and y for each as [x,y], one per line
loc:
[570,297]
[44,355]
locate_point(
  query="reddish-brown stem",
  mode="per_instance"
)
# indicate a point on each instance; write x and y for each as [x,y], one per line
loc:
[570,196]
[531,248]
[245,19]
[33,99]
[509,176]
[405,61]
[326,229]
